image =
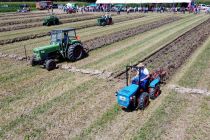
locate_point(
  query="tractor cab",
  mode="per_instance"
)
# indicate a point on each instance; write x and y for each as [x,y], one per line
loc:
[65,36]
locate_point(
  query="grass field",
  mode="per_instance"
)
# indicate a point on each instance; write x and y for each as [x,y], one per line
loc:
[37,104]
[183,116]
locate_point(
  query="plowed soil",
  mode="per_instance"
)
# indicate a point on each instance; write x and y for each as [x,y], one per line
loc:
[174,54]
[97,42]
[171,57]
[62,21]
[37,104]
[24,20]
[111,38]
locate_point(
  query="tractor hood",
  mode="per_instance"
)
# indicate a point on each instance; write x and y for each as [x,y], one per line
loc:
[123,96]
[48,47]
[40,53]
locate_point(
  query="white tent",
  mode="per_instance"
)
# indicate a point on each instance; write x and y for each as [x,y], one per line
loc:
[141,1]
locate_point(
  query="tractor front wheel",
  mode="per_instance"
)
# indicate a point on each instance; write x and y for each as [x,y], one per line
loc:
[50,64]
[75,52]
[143,100]
[103,24]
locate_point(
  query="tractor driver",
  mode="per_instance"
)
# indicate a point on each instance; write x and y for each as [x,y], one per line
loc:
[65,39]
[144,76]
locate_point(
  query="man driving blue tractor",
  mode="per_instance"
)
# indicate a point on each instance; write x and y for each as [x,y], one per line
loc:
[143,85]
[144,76]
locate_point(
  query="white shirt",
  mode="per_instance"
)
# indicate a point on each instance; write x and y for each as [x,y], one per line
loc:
[145,71]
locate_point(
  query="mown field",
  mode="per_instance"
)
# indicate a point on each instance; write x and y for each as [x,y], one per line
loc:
[37,104]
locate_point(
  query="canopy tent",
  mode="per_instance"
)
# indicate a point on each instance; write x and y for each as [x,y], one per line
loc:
[140,1]
[92,5]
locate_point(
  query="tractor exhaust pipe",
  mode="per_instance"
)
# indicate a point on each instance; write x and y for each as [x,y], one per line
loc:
[25,53]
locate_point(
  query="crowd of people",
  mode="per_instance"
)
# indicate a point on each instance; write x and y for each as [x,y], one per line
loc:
[144,9]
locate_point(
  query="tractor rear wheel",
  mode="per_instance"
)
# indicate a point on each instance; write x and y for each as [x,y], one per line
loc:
[57,22]
[50,64]
[75,52]
[143,100]
[154,92]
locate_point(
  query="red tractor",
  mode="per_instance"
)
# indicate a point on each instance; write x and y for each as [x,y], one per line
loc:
[70,10]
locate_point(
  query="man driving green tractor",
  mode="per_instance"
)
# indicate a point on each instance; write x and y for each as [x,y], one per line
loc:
[64,45]
[105,20]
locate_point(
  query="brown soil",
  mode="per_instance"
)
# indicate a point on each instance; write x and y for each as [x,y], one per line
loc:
[36,19]
[174,54]
[71,19]
[117,36]
[98,41]
[22,38]
[18,15]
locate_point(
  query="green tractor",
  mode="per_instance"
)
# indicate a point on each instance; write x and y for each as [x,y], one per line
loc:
[64,45]
[50,20]
[105,20]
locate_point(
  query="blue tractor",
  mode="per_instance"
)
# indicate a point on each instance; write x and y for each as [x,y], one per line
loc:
[133,96]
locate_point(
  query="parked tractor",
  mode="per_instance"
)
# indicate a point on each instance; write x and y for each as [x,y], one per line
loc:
[64,45]
[51,20]
[105,20]
[133,96]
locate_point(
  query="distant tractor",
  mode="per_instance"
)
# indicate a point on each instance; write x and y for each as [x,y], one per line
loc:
[24,8]
[105,20]
[42,5]
[70,10]
[51,20]
[64,45]
[133,96]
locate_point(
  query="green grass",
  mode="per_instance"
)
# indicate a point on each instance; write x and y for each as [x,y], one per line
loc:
[95,31]
[168,111]
[73,99]
[108,116]
[65,97]
[203,2]
[153,38]
[201,123]
[194,73]
[14,6]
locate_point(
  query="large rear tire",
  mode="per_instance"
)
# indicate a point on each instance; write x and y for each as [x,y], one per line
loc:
[143,100]
[50,64]
[75,52]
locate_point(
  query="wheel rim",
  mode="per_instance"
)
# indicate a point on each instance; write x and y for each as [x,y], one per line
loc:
[156,93]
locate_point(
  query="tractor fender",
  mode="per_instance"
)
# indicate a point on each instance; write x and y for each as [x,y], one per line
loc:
[154,82]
